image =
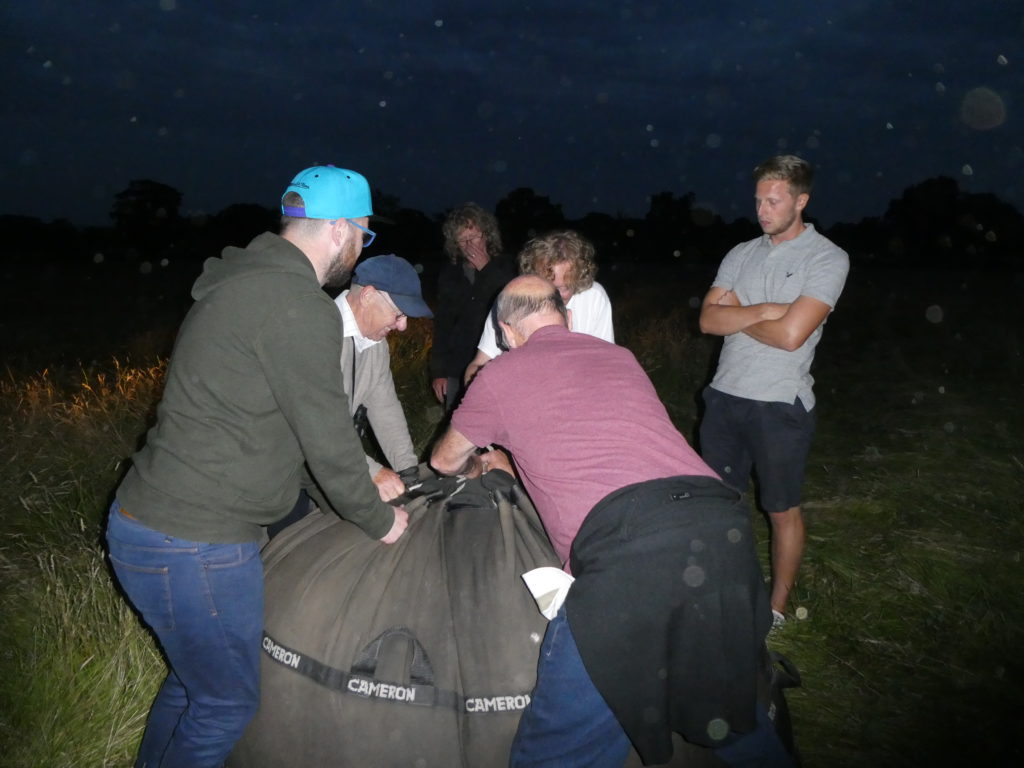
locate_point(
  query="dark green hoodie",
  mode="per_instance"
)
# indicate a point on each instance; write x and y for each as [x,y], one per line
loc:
[253,390]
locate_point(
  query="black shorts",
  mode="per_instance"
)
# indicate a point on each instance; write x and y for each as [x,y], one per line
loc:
[738,435]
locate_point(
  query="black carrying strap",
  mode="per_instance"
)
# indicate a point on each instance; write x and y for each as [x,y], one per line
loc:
[461,493]
[429,489]
[420,670]
[362,680]
[784,672]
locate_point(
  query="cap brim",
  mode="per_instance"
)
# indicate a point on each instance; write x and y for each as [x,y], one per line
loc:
[413,306]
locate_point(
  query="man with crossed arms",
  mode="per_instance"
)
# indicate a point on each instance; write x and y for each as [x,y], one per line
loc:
[770,301]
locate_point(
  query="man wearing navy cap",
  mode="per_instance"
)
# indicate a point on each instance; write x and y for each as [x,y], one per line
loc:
[385,291]
[253,394]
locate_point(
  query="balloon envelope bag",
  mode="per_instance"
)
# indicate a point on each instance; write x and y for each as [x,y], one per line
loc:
[421,653]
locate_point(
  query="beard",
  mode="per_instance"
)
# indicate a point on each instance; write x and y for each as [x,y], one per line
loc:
[337,274]
[340,269]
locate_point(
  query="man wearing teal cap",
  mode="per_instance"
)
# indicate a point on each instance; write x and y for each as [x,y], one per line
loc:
[253,395]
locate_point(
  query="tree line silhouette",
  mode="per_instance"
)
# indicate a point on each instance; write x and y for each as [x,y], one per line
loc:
[933,224]
[69,293]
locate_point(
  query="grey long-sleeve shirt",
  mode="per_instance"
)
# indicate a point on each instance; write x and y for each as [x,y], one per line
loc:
[368,381]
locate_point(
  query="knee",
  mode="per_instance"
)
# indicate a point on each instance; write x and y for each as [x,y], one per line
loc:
[791,519]
[230,717]
[247,706]
[232,725]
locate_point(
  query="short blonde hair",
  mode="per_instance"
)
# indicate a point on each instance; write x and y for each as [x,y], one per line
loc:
[790,168]
[541,254]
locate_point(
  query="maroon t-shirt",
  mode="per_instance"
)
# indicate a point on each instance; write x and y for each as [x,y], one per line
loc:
[580,418]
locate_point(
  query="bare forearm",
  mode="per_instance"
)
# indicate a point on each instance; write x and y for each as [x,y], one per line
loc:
[793,327]
[725,320]
[454,455]
[774,333]
[471,466]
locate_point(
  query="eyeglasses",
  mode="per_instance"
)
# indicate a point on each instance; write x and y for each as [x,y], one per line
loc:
[399,314]
[368,235]
[475,238]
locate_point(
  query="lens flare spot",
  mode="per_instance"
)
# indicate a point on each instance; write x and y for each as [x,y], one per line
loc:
[693,576]
[718,729]
[983,109]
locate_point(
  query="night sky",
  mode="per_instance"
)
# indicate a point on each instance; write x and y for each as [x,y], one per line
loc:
[596,105]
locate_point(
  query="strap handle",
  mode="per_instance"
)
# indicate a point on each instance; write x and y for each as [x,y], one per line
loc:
[420,670]
[429,489]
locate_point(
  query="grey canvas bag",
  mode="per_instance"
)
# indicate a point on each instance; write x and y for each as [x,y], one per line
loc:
[419,653]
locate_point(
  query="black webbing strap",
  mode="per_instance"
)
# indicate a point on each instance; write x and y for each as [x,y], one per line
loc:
[420,670]
[361,681]
[783,671]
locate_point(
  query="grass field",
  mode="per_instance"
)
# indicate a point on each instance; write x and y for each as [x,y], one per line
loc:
[911,588]
[914,505]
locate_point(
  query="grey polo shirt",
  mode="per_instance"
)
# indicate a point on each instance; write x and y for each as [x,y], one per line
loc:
[757,271]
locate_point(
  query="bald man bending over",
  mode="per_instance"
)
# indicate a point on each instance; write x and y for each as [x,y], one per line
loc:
[663,626]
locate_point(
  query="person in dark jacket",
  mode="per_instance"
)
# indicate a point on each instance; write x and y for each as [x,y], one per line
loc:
[253,403]
[476,270]
[663,627]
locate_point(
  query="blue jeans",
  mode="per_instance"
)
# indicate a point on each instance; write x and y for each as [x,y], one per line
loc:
[761,748]
[567,723]
[204,602]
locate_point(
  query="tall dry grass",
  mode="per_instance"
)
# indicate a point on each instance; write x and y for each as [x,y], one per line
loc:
[77,668]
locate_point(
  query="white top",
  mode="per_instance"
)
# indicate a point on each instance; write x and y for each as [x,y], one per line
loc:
[591,314]
[350,328]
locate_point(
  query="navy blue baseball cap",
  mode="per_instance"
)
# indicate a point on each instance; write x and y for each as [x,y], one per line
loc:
[329,193]
[396,277]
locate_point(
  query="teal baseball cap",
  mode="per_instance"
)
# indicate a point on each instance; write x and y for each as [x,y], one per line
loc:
[329,192]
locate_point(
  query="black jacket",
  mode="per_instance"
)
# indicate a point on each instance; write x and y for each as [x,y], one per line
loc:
[462,308]
[670,612]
